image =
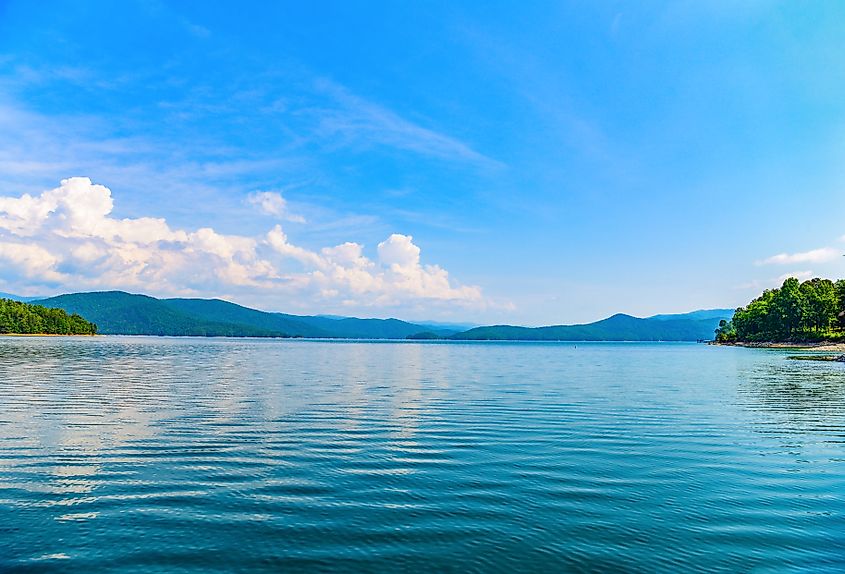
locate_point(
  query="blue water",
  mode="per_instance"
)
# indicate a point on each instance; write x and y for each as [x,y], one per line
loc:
[219,455]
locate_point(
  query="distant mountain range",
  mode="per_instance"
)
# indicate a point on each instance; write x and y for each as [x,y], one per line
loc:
[685,327]
[705,314]
[116,312]
[17,297]
[119,313]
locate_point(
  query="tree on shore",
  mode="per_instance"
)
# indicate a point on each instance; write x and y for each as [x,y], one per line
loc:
[812,310]
[725,332]
[28,319]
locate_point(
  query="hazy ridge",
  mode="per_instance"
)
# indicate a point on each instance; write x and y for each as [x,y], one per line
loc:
[120,313]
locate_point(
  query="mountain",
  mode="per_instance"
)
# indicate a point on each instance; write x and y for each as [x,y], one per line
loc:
[301,325]
[17,297]
[619,327]
[231,313]
[119,313]
[717,314]
[439,326]
[116,312]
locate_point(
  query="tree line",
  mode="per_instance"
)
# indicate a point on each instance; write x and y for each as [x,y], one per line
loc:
[810,311]
[28,319]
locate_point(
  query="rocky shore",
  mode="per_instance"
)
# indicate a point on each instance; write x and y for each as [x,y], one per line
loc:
[819,346]
[829,358]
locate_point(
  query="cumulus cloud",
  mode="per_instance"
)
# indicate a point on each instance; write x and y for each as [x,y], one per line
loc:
[822,255]
[272,203]
[32,260]
[67,238]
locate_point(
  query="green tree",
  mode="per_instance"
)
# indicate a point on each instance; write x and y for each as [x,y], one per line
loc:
[28,319]
[821,305]
[790,306]
[756,321]
[796,311]
[839,287]
[725,332]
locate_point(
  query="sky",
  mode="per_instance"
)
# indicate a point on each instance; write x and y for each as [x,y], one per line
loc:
[498,162]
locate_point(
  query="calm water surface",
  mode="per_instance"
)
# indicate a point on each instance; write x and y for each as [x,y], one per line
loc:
[195,455]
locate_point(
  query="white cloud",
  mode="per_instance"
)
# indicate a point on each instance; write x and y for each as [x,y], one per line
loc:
[67,238]
[278,240]
[822,255]
[33,261]
[772,282]
[272,203]
[399,252]
[800,275]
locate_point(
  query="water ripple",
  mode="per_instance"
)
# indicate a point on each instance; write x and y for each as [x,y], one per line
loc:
[195,455]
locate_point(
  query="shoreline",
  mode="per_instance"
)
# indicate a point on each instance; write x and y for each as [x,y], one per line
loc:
[44,335]
[810,346]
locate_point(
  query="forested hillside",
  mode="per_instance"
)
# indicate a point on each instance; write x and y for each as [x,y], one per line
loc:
[620,327]
[810,311]
[27,319]
[119,313]
[122,313]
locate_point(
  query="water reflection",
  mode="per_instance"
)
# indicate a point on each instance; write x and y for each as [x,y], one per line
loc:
[196,455]
[795,396]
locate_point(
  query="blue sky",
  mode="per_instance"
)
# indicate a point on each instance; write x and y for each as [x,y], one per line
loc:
[534,163]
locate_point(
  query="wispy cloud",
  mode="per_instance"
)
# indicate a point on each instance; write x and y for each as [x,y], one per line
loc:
[771,282]
[821,255]
[367,123]
[167,151]
[272,203]
[201,178]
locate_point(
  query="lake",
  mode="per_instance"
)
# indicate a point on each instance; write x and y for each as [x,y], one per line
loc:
[216,455]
